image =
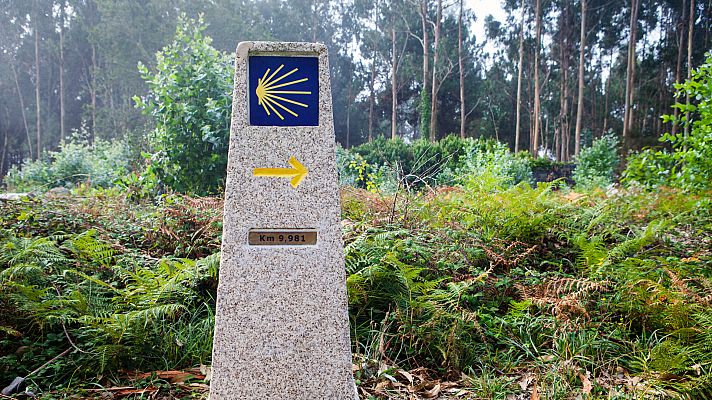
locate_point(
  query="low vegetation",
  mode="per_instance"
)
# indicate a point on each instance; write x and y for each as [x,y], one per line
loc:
[517,288]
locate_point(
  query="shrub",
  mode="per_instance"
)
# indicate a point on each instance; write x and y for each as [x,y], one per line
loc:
[355,171]
[421,163]
[649,168]
[489,162]
[595,165]
[344,160]
[101,164]
[190,99]
[689,165]
[395,153]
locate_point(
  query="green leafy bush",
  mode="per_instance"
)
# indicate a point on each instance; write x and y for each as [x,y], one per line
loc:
[388,163]
[190,100]
[356,172]
[100,164]
[417,164]
[490,163]
[596,165]
[689,164]
[649,168]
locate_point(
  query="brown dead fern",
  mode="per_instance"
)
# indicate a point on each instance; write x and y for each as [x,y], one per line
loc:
[567,298]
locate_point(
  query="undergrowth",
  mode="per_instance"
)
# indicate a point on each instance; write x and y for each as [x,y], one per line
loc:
[521,289]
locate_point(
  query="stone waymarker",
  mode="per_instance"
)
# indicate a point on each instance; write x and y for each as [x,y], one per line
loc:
[281,328]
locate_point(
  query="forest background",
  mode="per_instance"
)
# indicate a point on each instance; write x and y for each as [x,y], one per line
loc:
[561,73]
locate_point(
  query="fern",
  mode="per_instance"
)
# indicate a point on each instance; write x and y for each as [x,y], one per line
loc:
[31,251]
[86,246]
[209,265]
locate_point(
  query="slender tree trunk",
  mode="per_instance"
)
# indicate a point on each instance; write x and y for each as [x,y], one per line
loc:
[708,17]
[582,53]
[530,107]
[61,74]
[520,64]
[562,99]
[494,121]
[557,145]
[543,135]
[349,100]
[4,144]
[38,107]
[594,96]
[461,64]
[371,98]
[434,86]
[608,91]
[564,112]
[678,68]
[394,84]
[22,109]
[537,99]
[93,91]
[630,75]
[372,81]
[564,83]
[690,29]
[567,142]
[424,120]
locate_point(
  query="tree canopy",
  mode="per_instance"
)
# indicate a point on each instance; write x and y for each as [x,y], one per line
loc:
[399,68]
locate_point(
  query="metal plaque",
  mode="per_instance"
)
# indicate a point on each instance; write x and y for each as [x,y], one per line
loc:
[283,237]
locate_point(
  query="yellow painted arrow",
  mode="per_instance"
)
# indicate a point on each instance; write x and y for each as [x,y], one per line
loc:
[298,172]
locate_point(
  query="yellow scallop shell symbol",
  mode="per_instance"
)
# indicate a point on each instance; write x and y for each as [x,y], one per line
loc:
[267,93]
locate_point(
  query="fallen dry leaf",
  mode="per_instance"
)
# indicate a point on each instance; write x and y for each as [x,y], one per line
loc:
[433,393]
[573,196]
[587,386]
[526,381]
[126,391]
[449,385]
[207,371]
[407,375]
[200,387]
[170,376]
[535,392]
[110,389]
[383,385]
[458,392]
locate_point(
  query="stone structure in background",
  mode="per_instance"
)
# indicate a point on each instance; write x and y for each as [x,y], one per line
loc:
[281,329]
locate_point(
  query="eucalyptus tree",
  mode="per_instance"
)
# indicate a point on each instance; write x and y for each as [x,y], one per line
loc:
[534,144]
[581,68]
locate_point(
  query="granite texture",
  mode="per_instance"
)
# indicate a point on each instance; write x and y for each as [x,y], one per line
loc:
[281,328]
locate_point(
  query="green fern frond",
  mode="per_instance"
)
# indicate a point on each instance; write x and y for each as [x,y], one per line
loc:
[89,278]
[210,264]
[593,250]
[637,243]
[144,317]
[21,272]
[38,251]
